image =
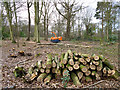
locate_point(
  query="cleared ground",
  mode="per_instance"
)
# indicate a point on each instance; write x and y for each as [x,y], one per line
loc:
[8,64]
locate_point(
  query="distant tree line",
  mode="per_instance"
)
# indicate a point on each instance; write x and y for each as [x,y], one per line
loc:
[68,19]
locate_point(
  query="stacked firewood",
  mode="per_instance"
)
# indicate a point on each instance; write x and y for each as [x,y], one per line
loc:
[82,67]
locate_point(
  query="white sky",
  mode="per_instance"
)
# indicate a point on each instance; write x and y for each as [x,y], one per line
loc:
[91,3]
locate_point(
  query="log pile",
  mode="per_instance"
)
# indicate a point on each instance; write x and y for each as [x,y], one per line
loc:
[82,68]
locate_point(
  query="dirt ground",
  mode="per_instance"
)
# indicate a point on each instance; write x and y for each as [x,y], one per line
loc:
[8,63]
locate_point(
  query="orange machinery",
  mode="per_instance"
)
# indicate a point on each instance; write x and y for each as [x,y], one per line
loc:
[55,39]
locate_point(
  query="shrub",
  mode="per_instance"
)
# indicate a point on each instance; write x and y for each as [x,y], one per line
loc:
[65,78]
[113,37]
[22,34]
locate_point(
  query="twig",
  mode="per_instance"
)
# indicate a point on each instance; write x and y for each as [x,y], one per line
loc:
[94,84]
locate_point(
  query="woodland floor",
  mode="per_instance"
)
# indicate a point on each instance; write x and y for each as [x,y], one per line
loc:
[8,64]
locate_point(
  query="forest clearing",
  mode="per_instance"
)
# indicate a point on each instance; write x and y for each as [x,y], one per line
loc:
[64,44]
[9,63]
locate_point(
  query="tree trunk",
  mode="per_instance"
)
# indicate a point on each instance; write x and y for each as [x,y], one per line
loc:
[16,25]
[9,16]
[36,33]
[102,35]
[68,29]
[29,21]
[47,27]
[75,79]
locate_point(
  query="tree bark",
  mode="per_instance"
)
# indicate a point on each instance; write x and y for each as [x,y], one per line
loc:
[16,25]
[29,20]
[36,33]
[9,16]
[102,35]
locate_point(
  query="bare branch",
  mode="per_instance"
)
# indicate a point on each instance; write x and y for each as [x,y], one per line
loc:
[30,4]
[59,11]
[63,4]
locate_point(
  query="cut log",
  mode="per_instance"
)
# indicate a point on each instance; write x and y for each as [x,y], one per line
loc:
[30,70]
[101,57]
[93,73]
[53,64]
[76,54]
[75,58]
[42,70]
[65,58]
[88,73]
[43,65]
[87,59]
[47,79]
[41,77]
[58,71]
[61,60]
[77,62]
[33,76]
[88,66]
[62,65]
[84,63]
[70,53]
[115,75]
[27,77]
[107,63]
[85,55]
[53,70]
[104,70]
[79,74]
[92,67]
[95,57]
[35,70]
[95,62]
[111,72]
[38,64]
[81,60]
[47,70]
[75,79]
[88,79]
[70,68]
[83,79]
[76,66]
[99,68]
[71,62]
[83,68]
[57,62]
[79,54]
[49,61]
[100,73]
[97,76]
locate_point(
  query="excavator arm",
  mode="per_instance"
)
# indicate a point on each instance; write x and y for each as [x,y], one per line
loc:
[55,34]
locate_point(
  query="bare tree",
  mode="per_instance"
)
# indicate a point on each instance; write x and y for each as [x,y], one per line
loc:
[46,15]
[37,20]
[16,23]
[86,19]
[29,4]
[9,12]
[70,9]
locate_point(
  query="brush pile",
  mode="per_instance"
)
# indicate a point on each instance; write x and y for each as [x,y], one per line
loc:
[81,67]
